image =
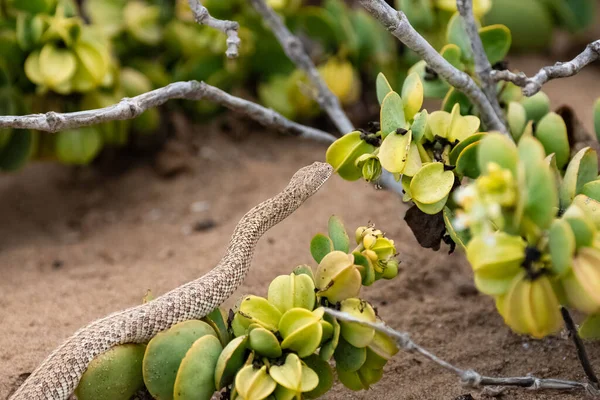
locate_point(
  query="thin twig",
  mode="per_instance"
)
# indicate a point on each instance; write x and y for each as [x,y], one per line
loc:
[468,377]
[230,28]
[581,352]
[483,68]
[129,108]
[532,85]
[292,46]
[397,23]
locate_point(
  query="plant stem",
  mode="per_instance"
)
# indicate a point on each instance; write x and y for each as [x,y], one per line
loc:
[230,28]
[483,68]
[468,377]
[292,46]
[398,24]
[559,70]
[129,108]
[581,352]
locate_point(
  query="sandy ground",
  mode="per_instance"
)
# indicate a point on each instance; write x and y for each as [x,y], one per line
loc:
[74,248]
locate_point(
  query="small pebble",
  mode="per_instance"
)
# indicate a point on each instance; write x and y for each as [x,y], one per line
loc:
[200,206]
[204,225]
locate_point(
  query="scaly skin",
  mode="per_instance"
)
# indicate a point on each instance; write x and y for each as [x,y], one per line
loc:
[57,377]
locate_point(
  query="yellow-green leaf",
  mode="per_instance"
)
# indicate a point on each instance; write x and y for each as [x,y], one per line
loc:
[392,113]
[393,152]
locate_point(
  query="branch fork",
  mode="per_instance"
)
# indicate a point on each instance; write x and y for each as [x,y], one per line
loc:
[532,85]
[230,28]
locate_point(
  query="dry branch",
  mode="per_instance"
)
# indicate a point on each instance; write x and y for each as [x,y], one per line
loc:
[129,108]
[532,85]
[292,46]
[397,23]
[230,28]
[483,68]
[468,377]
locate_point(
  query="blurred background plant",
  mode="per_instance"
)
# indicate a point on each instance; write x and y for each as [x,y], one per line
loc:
[65,56]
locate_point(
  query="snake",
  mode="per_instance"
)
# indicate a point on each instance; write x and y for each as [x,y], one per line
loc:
[58,375]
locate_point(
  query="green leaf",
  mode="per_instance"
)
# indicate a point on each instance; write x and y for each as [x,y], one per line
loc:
[320,246]
[434,88]
[317,23]
[365,267]
[431,184]
[457,34]
[419,125]
[551,131]
[499,149]
[590,328]
[496,40]
[57,66]
[542,197]
[115,374]
[393,152]
[592,190]
[420,13]
[452,54]
[457,150]
[466,163]
[582,168]
[392,113]
[17,150]
[575,15]
[29,30]
[457,97]
[383,87]
[460,237]
[338,235]
[517,119]
[561,243]
[530,22]
[412,95]
[33,6]
[339,12]
[325,374]
[78,146]
[342,155]
[536,106]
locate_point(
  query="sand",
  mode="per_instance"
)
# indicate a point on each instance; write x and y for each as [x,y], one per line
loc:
[77,246]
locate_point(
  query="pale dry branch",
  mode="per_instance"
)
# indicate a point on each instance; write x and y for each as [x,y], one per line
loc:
[230,28]
[292,46]
[129,108]
[532,85]
[397,23]
[468,377]
[483,68]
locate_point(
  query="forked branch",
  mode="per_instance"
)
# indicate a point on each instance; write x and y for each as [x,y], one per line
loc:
[129,108]
[327,100]
[532,85]
[483,68]
[294,50]
[397,23]
[468,377]
[230,28]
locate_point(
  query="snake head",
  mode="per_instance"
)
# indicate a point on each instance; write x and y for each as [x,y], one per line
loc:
[307,180]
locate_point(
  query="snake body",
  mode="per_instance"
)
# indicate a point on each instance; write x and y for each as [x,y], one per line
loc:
[57,377]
